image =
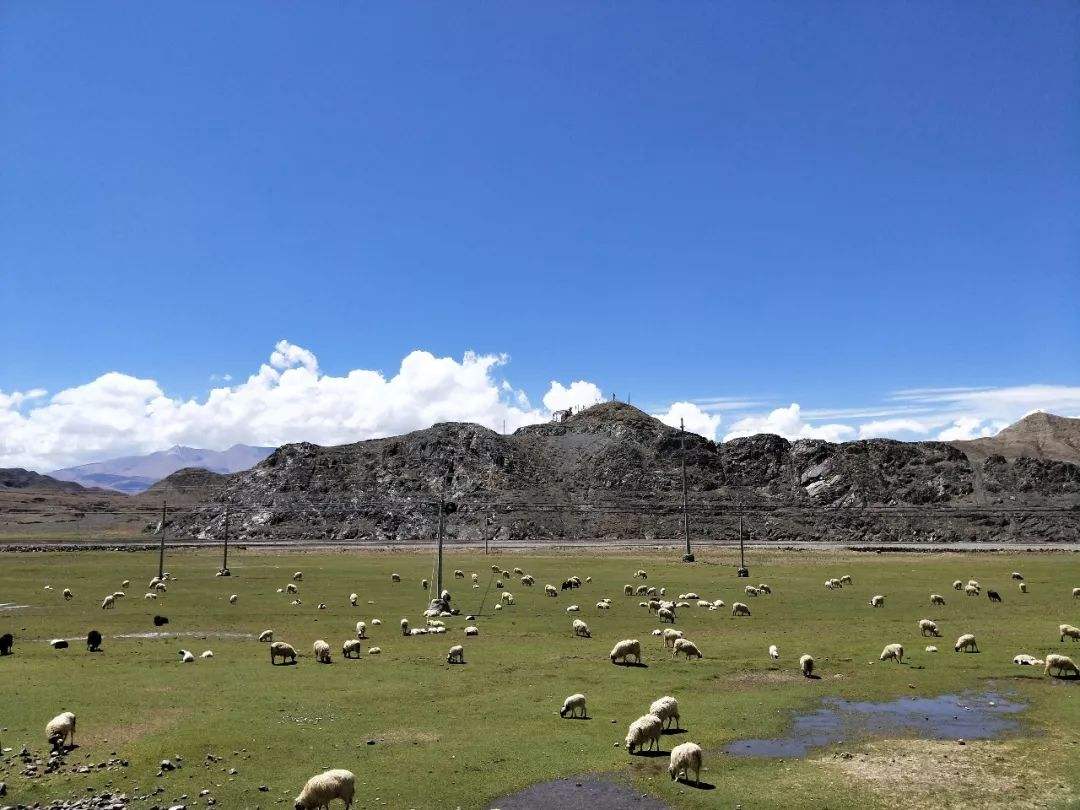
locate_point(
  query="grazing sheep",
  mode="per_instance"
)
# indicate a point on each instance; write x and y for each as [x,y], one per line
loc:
[507,598]
[160,587]
[774,652]
[667,709]
[93,641]
[186,657]
[322,651]
[763,588]
[642,590]
[751,590]
[931,649]
[61,729]
[498,606]
[282,650]
[928,627]
[572,704]
[1068,631]
[717,604]
[456,655]
[207,654]
[499,584]
[328,786]
[68,595]
[404,627]
[966,643]
[1076,593]
[59,644]
[958,585]
[361,630]
[7,641]
[125,583]
[1017,575]
[624,649]
[395,577]
[603,605]
[290,588]
[937,599]
[506,574]
[877,601]
[1023,587]
[686,647]
[353,599]
[108,602]
[518,571]
[670,636]
[298,575]
[640,574]
[1062,663]
[551,590]
[472,631]
[374,651]
[994,596]
[424,584]
[740,609]
[666,615]
[350,648]
[845,579]
[1026,660]
[233,599]
[528,580]
[266,635]
[644,733]
[685,757]
[806,665]
[150,596]
[581,629]
[971,590]
[894,652]
[459,574]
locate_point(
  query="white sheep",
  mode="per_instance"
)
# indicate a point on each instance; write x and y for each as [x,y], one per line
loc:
[774,652]
[937,599]
[931,649]
[322,651]
[845,579]
[571,706]
[551,590]
[150,596]
[321,606]
[376,622]
[740,609]
[353,599]
[1023,587]
[958,585]
[581,629]
[459,574]
[290,588]
[573,609]
[507,598]
[108,602]
[877,600]
[966,643]
[186,657]
[298,575]
[60,729]
[326,787]
[207,654]
[68,595]
[395,577]
[125,583]
[232,599]
[1062,663]
[685,757]
[456,655]
[644,733]
[282,650]
[603,606]
[266,635]
[686,647]
[806,665]
[666,615]
[374,651]
[671,635]
[1025,660]
[717,604]
[361,630]
[1068,631]
[1017,575]
[667,709]
[350,648]
[528,580]
[1076,593]
[894,652]
[751,590]
[472,631]
[763,588]
[928,627]
[971,590]
[624,649]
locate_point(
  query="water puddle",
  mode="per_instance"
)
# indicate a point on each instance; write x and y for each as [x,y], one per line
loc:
[971,716]
[581,793]
[151,634]
[11,606]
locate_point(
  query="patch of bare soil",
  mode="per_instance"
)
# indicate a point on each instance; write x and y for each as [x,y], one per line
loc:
[938,773]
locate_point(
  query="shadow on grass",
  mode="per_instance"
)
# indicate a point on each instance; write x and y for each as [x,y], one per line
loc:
[699,785]
[637,664]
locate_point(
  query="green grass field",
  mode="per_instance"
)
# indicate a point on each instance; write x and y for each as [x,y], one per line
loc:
[462,736]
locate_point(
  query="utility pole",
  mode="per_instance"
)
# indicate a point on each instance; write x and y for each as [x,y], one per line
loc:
[161,551]
[689,557]
[743,570]
[438,567]
[225,551]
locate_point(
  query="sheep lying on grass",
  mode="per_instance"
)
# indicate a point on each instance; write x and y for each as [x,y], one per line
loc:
[61,729]
[685,757]
[877,601]
[472,631]
[571,706]
[894,652]
[581,629]
[1025,660]
[966,643]
[327,787]
[1068,631]
[279,649]
[806,665]
[1062,663]
[644,733]
[667,709]
[322,651]
[374,651]
[186,657]
[624,649]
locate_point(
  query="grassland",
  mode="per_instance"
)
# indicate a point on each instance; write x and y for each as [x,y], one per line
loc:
[462,736]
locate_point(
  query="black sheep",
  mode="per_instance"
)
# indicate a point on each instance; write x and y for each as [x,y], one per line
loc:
[59,644]
[994,596]
[93,641]
[159,621]
[7,641]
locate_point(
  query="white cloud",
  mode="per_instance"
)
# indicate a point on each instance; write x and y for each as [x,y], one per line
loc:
[789,423]
[892,427]
[695,419]
[287,399]
[970,427]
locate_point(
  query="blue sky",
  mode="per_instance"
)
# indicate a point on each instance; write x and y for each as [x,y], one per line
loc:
[772,203]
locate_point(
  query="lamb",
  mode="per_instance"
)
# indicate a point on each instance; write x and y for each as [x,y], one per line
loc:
[1023,587]
[667,709]
[685,757]
[186,657]
[581,629]
[353,599]
[894,652]
[282,650]
[966,643]
[324,788]
[7,641]
[298,575]
[61,729]
[671,636]
[624,649]
[551,590]
[395,577]
[571,706]
[806,665]
[937,599]
[1068,631]
[93,641]
[361,630]
[108,602]
[774,652]
[686,647]
[644,733]
[1025,660]
[266,635]
[350,648]
[666,615]
[877,601]
[68,595]
[472,631]
[456,655]
[233,599]
[740,609]
[928,627]
[1062,663]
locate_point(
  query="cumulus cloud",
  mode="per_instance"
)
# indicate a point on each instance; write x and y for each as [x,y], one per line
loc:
[789,423]
[695,419]
[971,427]
[892,427]
[287,399]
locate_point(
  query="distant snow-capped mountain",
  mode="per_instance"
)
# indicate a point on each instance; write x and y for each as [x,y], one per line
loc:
[133,474]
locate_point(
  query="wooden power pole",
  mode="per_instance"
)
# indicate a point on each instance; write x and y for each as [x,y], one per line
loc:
[685,498]
[225,550]
[161,550]
[438,567]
